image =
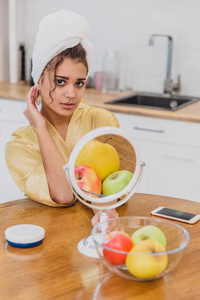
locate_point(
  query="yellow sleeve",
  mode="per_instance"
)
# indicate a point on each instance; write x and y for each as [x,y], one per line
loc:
[25,164]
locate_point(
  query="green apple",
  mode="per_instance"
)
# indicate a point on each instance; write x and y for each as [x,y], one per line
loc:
[150,232]
[116,182]
[145,260]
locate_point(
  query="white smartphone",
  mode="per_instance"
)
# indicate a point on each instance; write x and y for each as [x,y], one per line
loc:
[176,215]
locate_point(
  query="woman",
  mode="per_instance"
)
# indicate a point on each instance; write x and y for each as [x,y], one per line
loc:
[36,153]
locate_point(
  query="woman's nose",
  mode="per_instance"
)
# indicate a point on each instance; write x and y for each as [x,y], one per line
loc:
[70,91]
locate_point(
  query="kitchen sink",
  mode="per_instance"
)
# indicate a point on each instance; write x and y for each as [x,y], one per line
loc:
[155,101]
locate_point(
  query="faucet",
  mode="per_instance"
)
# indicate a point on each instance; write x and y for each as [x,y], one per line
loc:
[169,87]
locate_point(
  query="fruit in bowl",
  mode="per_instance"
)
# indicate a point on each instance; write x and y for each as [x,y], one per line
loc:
[116,182]
[117,240]
[151,232]
[87,179]
[142,261]
[148,259]
[102,157]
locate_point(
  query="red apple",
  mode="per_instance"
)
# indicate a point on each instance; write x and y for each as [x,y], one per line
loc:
[87,179]
[117,240]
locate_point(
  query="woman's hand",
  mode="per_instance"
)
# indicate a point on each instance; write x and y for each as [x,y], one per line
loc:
[112,213]
[31,112]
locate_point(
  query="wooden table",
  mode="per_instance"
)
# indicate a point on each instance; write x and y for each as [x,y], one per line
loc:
[56,270]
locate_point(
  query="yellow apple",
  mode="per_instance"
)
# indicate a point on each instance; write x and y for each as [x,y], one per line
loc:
[101,157]
[143,261]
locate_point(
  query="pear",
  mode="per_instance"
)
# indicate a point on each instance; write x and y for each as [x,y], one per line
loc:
[101,157]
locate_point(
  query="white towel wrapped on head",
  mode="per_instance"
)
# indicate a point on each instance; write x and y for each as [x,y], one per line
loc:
[57,32]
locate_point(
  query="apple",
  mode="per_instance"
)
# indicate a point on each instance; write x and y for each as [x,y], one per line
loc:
[117,240]
[101,157]
[116,182]
[143,260]
[87,179]
[149,232]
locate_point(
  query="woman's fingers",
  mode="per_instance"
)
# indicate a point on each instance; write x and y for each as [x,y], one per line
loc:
[31,112]
[96,218]
[30,93]
[112,213]
[32,96]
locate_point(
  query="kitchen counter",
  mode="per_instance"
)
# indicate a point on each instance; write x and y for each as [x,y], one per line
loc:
[190,113]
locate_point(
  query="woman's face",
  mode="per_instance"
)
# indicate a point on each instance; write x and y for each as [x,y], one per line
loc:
[69,89]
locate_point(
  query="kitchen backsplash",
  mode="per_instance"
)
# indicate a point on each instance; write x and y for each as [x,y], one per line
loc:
[126,26]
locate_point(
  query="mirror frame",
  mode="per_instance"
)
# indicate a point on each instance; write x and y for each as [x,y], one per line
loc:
[123,195]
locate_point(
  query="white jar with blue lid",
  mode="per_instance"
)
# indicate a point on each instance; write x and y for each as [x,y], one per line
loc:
[24,235]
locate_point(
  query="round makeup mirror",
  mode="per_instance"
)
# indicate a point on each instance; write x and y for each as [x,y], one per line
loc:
[114,152]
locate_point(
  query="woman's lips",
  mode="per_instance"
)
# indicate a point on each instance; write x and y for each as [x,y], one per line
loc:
[67,105]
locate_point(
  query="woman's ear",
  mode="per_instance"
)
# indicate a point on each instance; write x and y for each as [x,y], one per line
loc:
[38,92]
[38,85]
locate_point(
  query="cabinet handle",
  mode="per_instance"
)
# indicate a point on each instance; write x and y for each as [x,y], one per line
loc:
[177,157]
[149,129]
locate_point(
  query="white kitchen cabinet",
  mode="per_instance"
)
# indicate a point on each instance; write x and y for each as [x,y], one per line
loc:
[177,171]
[171,151]
[11,118]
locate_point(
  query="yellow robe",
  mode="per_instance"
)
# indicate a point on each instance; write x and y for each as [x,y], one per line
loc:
[23,155]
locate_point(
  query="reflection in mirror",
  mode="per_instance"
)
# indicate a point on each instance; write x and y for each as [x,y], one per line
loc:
[105,165]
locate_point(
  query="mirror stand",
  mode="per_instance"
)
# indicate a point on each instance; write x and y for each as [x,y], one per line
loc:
[86,246]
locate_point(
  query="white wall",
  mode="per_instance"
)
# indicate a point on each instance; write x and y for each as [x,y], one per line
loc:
[126,25]
[3,40]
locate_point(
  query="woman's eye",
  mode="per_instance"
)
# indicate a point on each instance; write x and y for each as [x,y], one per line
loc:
[60,81]
[79,83]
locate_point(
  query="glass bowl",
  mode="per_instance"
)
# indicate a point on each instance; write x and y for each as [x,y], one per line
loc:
[140,266]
